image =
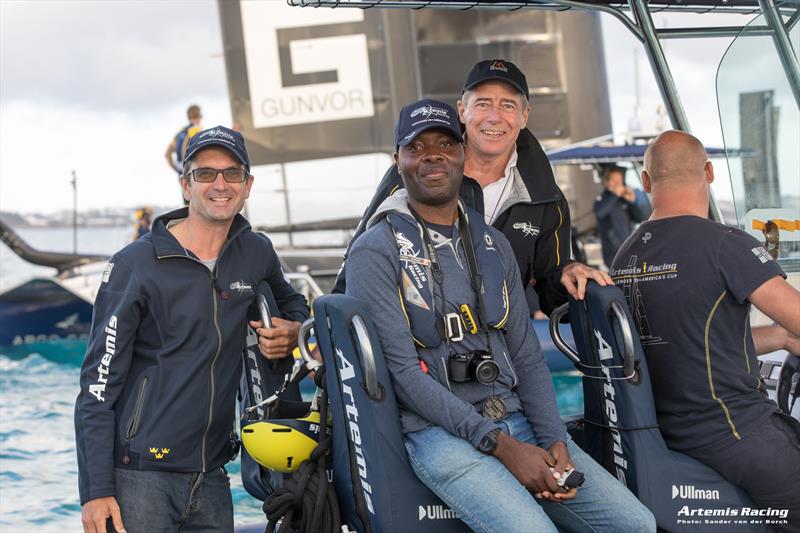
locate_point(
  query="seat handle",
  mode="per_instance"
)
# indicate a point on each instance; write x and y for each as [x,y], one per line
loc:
[367,358]
[558,340]
[628,357]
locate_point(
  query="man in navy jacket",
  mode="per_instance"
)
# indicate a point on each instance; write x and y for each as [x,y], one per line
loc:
[154,419]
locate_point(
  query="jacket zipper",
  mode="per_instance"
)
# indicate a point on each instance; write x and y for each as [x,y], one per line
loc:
[133,423]
[213,363]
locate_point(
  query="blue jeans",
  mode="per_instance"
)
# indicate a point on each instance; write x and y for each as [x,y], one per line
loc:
[161,502]
[487,496]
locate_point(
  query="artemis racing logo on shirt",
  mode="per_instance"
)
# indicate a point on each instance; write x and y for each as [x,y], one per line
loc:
[241,287]
[528,229]
[762,254]
[406,246]
[99,388]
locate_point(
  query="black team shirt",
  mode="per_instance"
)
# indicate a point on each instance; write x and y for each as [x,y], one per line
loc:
[686,280]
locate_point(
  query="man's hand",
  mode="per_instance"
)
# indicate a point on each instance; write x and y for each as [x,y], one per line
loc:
[575,275]
[529,464]
[279,340]
[563,462]
[96,512]
[628,195]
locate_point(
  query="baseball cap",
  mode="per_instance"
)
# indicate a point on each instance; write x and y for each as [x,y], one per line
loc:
[424,115]
[219,136]
[496,69]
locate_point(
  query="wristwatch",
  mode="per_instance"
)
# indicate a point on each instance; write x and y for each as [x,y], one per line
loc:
[488,443]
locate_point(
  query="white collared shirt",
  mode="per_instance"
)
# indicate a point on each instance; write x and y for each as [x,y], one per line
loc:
[496,193]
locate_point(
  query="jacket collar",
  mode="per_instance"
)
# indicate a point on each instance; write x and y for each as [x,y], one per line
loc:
[535,169]
[166,244]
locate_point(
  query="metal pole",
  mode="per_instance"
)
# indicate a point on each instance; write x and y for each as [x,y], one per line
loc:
[781,39]
[74,184]
[666,84]
[286,202]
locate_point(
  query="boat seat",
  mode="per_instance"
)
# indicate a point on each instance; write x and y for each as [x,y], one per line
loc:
[620,430]
[376,487]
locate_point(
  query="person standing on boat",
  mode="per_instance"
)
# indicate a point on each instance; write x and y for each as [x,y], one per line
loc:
[617,209]
[509,179]
[444,291]
[154,420]
[179,143]
[144,217]
[696,280]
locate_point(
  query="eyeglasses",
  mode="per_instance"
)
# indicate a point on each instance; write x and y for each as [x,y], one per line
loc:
[209,175]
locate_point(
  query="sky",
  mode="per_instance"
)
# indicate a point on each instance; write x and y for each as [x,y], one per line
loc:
[100,88]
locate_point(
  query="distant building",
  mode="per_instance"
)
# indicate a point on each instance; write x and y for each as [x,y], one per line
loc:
[759,128]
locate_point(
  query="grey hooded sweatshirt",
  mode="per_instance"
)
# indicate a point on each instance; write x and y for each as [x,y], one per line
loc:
[373,271]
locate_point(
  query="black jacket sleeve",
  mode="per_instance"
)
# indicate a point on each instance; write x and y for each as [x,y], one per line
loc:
[552,254]
[117,312]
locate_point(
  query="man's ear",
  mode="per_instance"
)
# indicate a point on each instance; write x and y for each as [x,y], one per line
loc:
[709,171]
[460,107]
[395,158]
[646,183]
[187,194]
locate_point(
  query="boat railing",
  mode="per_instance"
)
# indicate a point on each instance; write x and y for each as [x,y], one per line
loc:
[305,284]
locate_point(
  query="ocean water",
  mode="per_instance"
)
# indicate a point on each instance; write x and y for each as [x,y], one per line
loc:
[38,387]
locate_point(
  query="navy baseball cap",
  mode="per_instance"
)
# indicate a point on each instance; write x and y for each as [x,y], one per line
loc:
[424,115]
[219,136]
[496,69]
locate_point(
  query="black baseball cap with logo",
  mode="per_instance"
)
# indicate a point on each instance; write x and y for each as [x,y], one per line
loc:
[424,115]
[219,136]
[496,69]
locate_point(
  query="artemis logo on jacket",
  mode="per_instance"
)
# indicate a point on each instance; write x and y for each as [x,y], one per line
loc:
[103,369]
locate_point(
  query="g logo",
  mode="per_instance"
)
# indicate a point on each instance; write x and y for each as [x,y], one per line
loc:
[311,80]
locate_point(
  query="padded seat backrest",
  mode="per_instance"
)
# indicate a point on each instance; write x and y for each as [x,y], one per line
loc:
[377,489]
[620,426]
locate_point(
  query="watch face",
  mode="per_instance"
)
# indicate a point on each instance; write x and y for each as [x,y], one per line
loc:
[489,442]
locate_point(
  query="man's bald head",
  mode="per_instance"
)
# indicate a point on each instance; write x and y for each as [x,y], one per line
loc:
[675,157]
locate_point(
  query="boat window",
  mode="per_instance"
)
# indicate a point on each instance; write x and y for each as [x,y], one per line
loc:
[760,123]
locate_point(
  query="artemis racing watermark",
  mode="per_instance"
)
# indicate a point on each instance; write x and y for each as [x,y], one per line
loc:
[688,515]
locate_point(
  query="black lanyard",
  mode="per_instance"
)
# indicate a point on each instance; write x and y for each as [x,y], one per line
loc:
[476,281]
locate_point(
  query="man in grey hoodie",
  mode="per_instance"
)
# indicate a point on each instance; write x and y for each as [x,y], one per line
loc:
[478,409]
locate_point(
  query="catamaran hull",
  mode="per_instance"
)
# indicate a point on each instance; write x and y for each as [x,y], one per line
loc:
[40,311]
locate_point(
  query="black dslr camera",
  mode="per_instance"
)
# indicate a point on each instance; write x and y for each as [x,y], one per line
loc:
[473,366]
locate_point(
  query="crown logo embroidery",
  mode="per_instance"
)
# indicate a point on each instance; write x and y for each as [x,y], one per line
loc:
[159,453]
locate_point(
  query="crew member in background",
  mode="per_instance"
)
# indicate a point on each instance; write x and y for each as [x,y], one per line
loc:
[695,280]
[617,209]
[144,217]
[509,179]
[477,405]
[154,419]
[177,147]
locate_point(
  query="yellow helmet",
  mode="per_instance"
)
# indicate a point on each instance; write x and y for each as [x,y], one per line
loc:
[282,444]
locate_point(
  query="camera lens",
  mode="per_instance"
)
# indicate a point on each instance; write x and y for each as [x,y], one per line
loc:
[487,371]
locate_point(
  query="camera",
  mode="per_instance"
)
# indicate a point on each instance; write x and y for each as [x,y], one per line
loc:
[473,366]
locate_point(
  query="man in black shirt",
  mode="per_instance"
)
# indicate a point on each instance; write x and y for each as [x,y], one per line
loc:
[690,282]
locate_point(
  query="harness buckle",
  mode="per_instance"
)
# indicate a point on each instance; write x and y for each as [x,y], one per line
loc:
[452,327]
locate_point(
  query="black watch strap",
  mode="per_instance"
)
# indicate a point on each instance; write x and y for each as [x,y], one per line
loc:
[488,443]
